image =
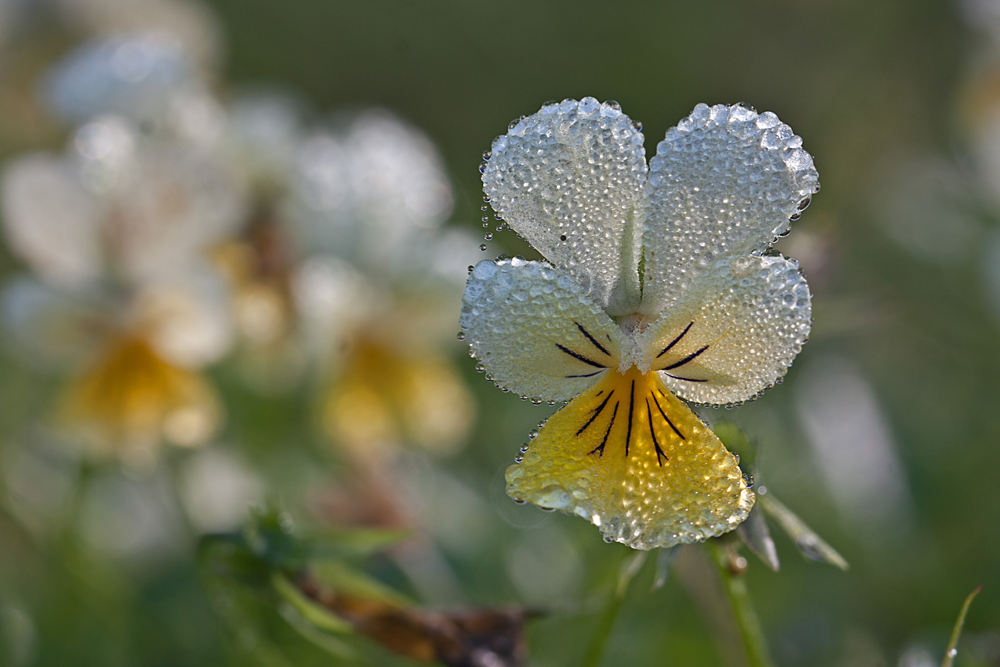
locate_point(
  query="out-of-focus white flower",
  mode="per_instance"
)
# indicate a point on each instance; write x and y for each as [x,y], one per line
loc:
[370,191]
[188,22]
[367,201]
[117,233]
[146,77]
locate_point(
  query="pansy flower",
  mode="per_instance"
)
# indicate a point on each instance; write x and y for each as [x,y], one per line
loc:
[660,286]
[368,202]
[116,233]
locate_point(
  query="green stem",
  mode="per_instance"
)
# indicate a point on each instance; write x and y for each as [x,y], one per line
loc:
[754,642]
[630,566]
[949,656]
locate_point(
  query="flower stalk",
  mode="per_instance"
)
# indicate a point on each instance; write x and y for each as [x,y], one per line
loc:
[725,559]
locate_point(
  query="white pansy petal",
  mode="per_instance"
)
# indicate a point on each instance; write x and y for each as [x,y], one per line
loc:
[51,220]
[366,190]
[537,332]
[333,300]
[188,317]
[50,326]
[135,76]
[178,203]
[734,333]
[568,179]
[723,183]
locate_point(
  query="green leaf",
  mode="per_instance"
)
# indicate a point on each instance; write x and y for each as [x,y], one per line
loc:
[343,578]
[757,536]
[664,560]
[350,543]
[315,614]
[809,543]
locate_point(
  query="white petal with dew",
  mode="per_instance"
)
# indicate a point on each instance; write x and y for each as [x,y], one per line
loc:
[723,183]
[569,178]
[51,221]
[536,331]
[735,331]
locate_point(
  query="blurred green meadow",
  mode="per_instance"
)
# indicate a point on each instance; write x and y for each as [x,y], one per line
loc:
[883,436]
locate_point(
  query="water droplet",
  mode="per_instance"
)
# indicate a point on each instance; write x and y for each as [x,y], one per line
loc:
[486,198]
[524,448]
[471,268]
[637,125]
[804,204]
[461,335]
[482,168]
[614,105]
[518,459]
[483,247]
[608,539]
[532,435]
[519,501]
[484,208]
[487,155]
[480,368]
[794,216]
[489,236]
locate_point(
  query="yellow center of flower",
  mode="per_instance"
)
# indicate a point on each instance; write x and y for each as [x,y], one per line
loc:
[133,397]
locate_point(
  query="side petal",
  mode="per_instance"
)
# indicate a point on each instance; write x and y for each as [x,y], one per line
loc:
[734,333]
[725,182]
[188,319]
[535,331]
[636,462]
[568,179]
[51,221]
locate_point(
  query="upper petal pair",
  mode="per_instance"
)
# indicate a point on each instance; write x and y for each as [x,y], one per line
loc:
[572,179]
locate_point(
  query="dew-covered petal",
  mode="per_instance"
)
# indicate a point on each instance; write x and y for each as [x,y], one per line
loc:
[51,221]
[368,188]
[537,332]
[734,333]
[636,462]
[723,183]
[568,179]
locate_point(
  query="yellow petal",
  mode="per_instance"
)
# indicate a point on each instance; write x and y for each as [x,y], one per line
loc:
[636,462]
[133,398]
[385,396]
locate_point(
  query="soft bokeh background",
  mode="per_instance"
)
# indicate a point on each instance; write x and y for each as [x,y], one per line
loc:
[884,435]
